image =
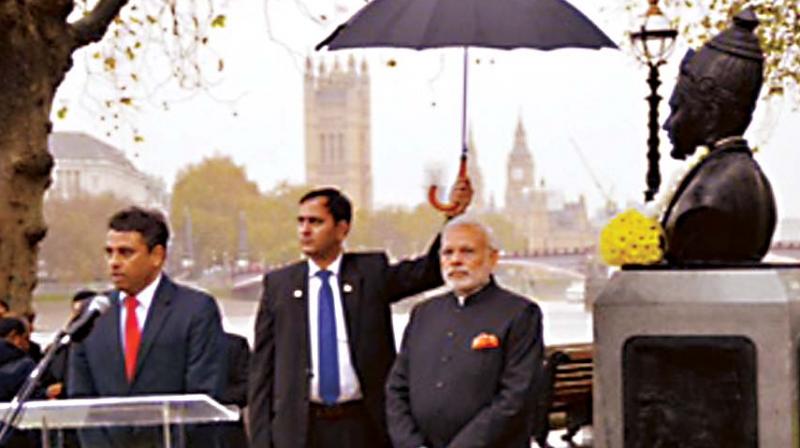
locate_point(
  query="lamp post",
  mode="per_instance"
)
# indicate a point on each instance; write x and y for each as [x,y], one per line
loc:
[653,43]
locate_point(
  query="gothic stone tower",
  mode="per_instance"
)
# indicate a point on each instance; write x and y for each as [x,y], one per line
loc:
[519,171]
[524,203]
[337,129]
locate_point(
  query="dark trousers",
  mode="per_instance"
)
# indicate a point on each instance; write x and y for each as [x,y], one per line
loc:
[347,425]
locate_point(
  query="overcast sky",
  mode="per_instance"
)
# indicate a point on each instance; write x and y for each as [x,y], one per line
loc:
[569,100]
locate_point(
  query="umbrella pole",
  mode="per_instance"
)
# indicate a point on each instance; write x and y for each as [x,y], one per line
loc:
[462,167]
[464,106]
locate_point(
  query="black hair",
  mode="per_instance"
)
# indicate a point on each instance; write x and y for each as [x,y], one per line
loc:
[9,325]
[338,204]
[4,304]
[151,224]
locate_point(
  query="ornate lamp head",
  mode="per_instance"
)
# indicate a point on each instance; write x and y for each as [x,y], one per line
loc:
[654,40]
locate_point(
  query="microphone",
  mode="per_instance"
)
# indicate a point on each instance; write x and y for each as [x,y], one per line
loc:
[79,328]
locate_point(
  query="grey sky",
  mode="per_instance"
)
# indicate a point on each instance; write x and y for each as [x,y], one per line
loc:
[592,98]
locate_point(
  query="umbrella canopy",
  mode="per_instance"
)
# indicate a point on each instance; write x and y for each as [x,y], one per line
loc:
[507,24]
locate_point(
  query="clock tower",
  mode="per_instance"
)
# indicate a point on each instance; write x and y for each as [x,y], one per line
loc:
[519,172]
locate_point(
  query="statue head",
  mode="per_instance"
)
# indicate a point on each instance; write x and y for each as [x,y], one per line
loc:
[717,88]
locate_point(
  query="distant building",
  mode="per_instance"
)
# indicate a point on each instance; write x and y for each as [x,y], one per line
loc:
[85,165]
[337,129]
[541,216]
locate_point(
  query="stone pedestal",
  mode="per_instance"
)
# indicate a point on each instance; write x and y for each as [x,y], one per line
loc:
[698,358]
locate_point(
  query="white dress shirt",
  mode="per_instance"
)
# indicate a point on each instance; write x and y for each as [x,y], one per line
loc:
[349,388]
[145,299]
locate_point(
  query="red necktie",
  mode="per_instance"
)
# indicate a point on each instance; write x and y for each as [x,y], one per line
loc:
[133,336]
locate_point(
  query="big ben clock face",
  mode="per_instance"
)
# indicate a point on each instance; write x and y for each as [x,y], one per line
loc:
[516,173]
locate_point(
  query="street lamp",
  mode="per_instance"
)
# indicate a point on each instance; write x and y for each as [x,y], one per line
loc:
[653,43]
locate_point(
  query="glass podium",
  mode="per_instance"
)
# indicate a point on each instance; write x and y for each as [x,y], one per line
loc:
[150,410]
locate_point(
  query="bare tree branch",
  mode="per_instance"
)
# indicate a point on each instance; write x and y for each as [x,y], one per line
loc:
[92,27]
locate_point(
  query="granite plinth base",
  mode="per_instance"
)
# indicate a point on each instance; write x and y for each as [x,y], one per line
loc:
[698,358]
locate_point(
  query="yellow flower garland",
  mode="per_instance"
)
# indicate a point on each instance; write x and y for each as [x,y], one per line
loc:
[631,238]
[634,238]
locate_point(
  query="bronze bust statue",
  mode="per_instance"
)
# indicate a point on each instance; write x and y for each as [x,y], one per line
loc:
[723,210]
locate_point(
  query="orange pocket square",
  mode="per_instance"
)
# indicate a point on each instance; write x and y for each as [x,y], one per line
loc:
[485,341]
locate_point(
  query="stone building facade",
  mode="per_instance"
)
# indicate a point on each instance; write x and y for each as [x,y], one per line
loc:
[338,149]
[85,165]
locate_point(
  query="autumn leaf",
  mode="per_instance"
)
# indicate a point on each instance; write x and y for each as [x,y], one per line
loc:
[221,65]
[110,64]
[62,113]
[129,53]
[126,101]
[138,138]
[96,55]
[391,63]
[218,22]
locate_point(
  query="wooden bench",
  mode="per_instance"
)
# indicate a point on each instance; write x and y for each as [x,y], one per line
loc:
[565,397]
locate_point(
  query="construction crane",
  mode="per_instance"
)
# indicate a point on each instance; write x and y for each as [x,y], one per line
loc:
[610,204]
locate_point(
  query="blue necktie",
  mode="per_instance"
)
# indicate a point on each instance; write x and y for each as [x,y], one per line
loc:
[327,343]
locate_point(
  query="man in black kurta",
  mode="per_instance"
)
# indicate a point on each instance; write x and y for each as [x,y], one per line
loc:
[469,359]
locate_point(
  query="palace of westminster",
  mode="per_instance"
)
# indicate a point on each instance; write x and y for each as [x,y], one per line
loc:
[338,152]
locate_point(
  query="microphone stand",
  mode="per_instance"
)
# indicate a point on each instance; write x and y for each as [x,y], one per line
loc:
[14,412]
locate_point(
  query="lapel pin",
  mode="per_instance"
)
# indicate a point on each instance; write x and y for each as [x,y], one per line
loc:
[347,288]
[297,294]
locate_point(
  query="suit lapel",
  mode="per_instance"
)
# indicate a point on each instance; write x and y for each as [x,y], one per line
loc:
[299,300]
[156,317]
[111,343]
[350,290]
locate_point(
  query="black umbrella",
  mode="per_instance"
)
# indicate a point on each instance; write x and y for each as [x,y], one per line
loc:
[504,24]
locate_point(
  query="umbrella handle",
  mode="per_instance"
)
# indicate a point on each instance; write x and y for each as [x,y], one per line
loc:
[432,190]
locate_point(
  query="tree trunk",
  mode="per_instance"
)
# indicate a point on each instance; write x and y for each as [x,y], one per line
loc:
[34,57]
[36,45]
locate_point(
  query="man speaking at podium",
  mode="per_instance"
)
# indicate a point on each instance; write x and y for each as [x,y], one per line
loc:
[158,337]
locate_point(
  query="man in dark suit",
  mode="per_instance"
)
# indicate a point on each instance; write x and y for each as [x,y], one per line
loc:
[323,336]
[235,392]
[470,358]
[158,337]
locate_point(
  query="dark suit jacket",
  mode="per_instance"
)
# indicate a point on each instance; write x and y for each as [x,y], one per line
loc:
[238,352]
[281,363]
[180,353]
[444,391]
